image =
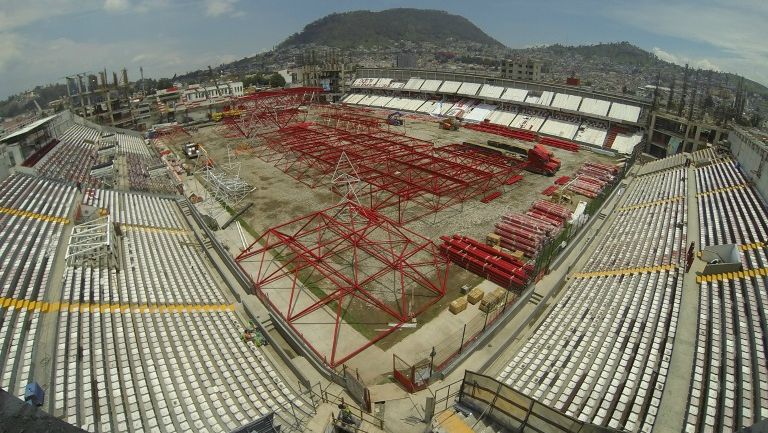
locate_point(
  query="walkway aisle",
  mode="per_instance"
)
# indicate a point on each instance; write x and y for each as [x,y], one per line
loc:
[675,397]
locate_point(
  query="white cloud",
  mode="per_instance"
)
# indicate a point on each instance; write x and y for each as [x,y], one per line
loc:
[215,8]
[682,60]
[734,31]
[9,49]
[15,14]
[117,5]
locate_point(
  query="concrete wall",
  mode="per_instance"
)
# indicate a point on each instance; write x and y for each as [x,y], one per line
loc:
[752,155]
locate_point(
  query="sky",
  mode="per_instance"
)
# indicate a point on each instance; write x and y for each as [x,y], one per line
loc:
[41,41]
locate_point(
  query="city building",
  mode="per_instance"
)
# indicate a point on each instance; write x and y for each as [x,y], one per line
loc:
[671,134]
[528,70]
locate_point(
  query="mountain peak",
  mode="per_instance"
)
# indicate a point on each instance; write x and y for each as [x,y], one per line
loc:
[389,27]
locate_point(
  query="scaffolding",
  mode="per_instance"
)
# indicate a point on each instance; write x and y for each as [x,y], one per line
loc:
[345,277]
[93,243]
[222,182]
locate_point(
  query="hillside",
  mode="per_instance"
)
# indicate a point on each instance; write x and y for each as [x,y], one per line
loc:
[387,28]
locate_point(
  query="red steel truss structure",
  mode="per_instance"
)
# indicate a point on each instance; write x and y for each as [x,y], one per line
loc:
[349,118]
[341,267]
[402,177]
[268,109]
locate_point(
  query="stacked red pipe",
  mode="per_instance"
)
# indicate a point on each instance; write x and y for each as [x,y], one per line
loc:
[592,178]
[503,131]
[490,197]
[529,231]
[559,143]
[549,190]
[498,267]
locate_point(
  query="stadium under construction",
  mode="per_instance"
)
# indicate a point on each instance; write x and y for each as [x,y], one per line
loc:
[432,252]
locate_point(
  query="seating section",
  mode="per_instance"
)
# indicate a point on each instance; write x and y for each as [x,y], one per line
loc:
[133,144]
[625,143]
[729,387]
[592,132]
[730,212]
[136,209]
[658,186]
[133,370]
[662,164]
[650,228]
[139,177]
[73,157]
[563,101]
[155,347]
[165,268]
[479,112]
[491,91]
[529,119]
[32,220]
[514,95]
[431,85]
[561,125]
[602,355]
[502,117]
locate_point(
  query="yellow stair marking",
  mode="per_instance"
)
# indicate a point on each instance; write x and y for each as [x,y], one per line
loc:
[723,189]
[55,307]
[33,215]
[624,271]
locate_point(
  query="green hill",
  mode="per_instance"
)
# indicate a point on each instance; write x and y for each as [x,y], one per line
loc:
[367,29]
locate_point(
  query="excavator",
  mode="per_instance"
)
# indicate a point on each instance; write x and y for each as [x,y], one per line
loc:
[449,124]
[395,119]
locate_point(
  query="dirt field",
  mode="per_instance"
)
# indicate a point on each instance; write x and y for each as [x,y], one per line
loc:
[279,198]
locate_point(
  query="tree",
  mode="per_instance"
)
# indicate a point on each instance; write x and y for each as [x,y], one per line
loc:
[164,83]
[276,80]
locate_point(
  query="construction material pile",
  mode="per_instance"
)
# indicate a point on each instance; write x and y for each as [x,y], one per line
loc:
[527,232]
[592,178]
[498,267]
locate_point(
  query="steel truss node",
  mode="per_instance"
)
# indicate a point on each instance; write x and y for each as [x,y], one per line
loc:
[93,243]
[342,267]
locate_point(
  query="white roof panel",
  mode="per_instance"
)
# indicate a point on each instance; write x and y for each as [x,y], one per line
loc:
[489,91]
[431,85]
[450,87]
[469,89]
[512,94]
[413,84]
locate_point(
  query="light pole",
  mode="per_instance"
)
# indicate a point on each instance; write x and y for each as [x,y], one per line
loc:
[431,360]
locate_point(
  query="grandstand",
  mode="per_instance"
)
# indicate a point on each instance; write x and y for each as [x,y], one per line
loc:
[151,342]
[622,323]
[557,112]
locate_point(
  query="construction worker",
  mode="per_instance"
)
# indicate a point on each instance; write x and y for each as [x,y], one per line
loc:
[345,415]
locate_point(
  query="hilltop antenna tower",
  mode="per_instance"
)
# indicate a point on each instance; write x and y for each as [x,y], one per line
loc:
[671,94]
[683,93]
